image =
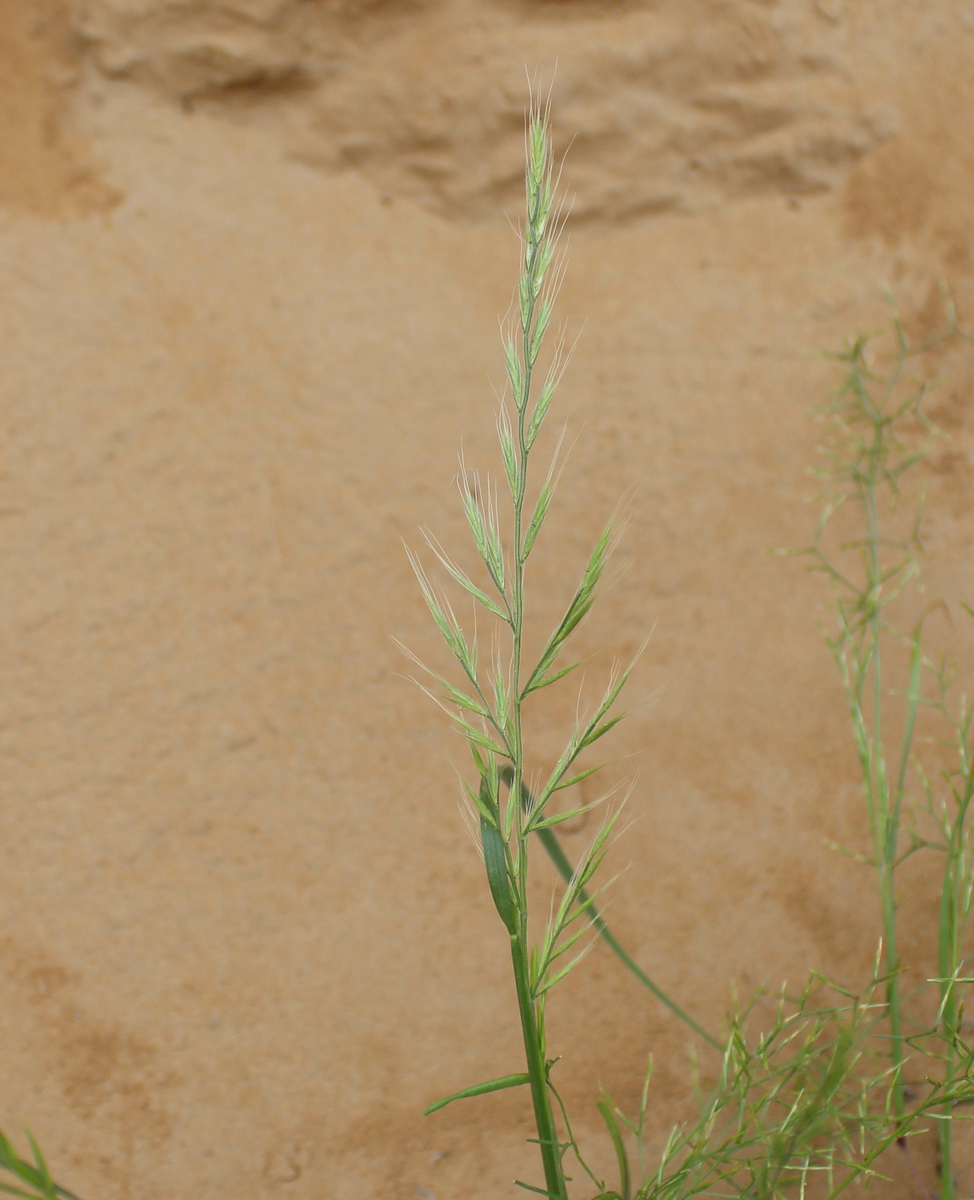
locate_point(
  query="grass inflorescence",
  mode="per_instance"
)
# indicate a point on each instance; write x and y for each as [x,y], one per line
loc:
[489,704]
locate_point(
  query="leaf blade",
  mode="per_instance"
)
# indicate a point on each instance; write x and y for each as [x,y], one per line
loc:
[481,1089]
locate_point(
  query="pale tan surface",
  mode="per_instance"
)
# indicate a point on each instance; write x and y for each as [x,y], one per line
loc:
[253,257]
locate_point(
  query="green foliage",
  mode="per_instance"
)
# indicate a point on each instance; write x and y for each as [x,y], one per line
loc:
[878,432]
[814,1090]
[488,708]
[35,1177]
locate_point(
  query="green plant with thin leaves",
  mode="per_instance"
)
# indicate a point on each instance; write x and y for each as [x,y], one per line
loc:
[879,431]
[801,1103]
[489,706]
[794,1102]
[787,1099]
[562,864]
[33,1180]
[787,1104]
[802,1100]
[948,802]
[867,460]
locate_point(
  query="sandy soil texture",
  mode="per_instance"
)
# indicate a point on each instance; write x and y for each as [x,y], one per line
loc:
[253,255]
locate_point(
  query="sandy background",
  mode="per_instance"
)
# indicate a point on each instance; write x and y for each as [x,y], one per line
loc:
[253,254]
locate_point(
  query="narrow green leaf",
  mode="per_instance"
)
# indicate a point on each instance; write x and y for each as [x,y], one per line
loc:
[529,1187]
[622,1158]
[479,761]
[46,1182]
[37,1177]
[9,1190]
[476,799]
[495,862]
[481,1089]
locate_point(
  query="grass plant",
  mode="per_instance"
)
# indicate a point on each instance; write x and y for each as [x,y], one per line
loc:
[815,1091]
[799,1092]
[879,432]
[32,1181]
[489,706]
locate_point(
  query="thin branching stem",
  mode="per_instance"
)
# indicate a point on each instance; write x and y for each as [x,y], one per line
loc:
[880,432]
